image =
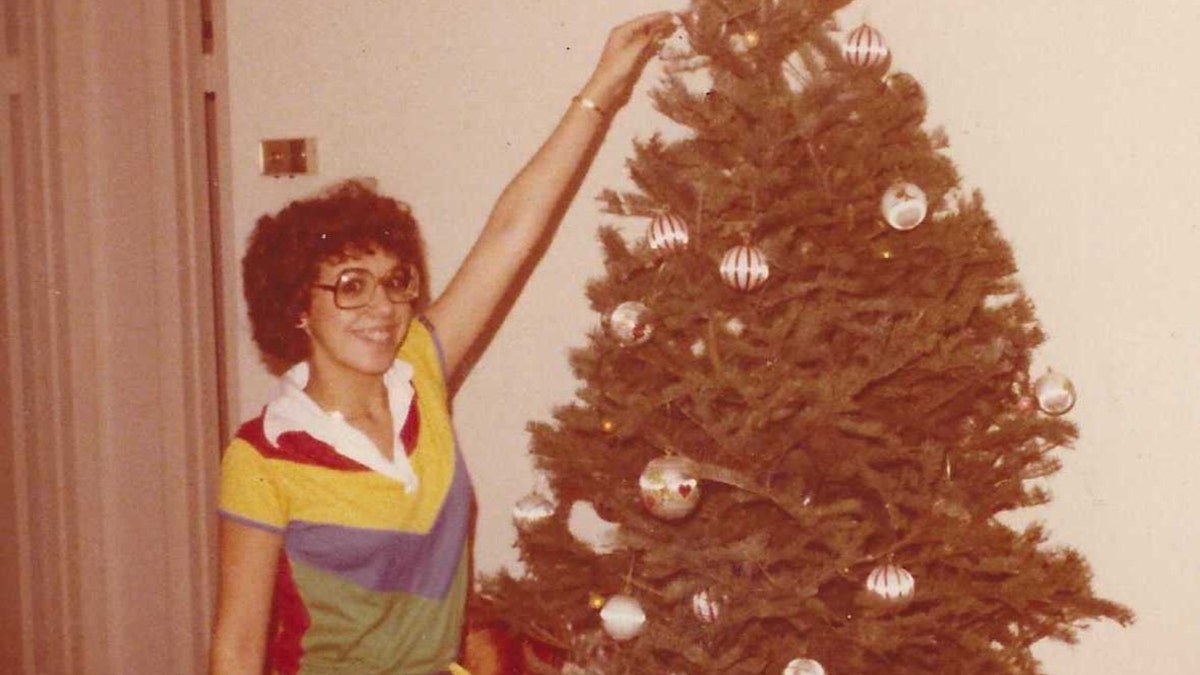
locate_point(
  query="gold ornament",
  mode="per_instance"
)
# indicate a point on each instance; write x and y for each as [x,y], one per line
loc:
[741,43]
[608,426]
[596,601]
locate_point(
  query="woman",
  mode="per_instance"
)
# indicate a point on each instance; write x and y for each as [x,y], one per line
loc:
[345,506]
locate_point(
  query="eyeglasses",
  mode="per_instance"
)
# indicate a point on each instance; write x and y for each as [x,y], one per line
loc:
[355,287]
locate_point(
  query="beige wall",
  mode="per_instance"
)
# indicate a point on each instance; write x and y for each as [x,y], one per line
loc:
[1077,120]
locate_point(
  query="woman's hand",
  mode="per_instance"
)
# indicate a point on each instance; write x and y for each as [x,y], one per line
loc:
[629,46]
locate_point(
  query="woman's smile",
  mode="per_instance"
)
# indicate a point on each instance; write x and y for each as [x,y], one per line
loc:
[361,340]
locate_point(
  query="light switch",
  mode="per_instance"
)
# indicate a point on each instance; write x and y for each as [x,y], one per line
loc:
[287,156]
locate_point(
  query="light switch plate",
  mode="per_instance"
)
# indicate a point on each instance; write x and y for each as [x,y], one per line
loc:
[287,156]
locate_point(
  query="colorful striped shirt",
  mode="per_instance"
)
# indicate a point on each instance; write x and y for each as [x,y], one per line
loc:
[373,574]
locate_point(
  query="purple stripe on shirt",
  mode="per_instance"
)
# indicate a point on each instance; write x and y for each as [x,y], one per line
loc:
[386,560]
[437,342]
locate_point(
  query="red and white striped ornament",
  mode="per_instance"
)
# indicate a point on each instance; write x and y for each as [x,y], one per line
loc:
[864,48]
[745,267]
[667,233]
[891,584]
[705,608]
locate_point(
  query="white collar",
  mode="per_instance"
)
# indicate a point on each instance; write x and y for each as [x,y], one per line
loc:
[294,410]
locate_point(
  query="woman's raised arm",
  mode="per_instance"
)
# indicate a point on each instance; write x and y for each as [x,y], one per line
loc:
[533,202]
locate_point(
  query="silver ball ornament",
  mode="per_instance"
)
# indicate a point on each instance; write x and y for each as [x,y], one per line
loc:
[1055,393]
[531,509]
[629,323]
[904,206]
[669,488]
[803,667]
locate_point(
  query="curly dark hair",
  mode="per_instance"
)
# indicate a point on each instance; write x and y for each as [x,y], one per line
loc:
[287,249]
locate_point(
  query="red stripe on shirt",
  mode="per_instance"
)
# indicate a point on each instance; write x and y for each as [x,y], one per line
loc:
[298,447]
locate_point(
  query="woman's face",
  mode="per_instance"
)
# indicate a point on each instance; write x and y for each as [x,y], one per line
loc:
[363,340]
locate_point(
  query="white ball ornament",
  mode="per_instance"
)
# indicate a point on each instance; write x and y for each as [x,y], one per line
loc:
[629,323]
[531,509]
[745,268]
[622,617]
[669,488]
[904,206]
[1055,393]
[804,667]
[891,584]
[667,233]
[865,48]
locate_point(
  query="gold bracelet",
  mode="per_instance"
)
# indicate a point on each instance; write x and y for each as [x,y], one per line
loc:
[589,104]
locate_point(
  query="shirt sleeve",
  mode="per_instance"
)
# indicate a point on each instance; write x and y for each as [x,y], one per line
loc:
[250,492]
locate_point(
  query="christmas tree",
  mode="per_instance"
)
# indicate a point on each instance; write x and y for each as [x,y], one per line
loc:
[808,405]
